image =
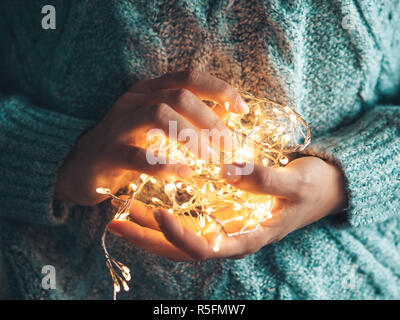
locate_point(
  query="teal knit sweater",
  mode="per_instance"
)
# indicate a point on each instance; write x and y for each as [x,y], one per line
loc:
[335,62]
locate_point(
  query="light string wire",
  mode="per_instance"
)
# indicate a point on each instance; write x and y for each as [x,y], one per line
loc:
[205,202]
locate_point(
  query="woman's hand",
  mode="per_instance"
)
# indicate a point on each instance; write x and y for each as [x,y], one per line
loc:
[307,189]
[112,154]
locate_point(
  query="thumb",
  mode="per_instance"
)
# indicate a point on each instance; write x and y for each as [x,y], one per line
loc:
[281,182]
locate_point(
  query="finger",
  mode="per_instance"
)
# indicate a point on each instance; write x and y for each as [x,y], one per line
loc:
[274,181]
[143,215]
[233,247]
[192,108]
[201,84]
[200,249]
[140,213]
[147,239]
[196,247]
[240,246]
[179,128]
[144,161]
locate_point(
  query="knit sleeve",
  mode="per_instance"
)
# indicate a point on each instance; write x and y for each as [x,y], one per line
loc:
[368,152]
[33,144]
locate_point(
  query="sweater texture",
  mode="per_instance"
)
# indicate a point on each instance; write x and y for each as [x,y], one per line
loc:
[337,63]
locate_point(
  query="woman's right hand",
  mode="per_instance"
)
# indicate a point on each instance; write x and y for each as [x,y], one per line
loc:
[111,154]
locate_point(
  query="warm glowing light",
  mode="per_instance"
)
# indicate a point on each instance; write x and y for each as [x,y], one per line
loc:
[204,202]
[284,161]
[103,190]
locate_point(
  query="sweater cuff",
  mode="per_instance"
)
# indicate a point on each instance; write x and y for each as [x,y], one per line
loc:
[368,152]
[33,143]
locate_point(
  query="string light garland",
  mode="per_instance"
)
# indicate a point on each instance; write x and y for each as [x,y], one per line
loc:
[205,202]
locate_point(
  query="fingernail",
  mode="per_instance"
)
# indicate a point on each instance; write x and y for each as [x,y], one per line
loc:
[157,216]
[231,173]
[239,164]
[242,106]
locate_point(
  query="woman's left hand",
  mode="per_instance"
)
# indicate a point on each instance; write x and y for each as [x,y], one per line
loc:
[307,189]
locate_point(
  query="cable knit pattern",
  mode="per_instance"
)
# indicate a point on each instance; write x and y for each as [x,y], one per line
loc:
[369,153]
[335,62]
[33,143]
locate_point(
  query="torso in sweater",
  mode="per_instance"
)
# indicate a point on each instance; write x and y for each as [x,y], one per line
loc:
[291,52]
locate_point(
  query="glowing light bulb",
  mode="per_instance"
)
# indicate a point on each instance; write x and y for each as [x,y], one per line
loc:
[103,190]
[216,170]
[239,193]
[212,189]
[123,216]
[264,136]
[126,269]
[250,222]
[169,187]
[284,161]
[125,285]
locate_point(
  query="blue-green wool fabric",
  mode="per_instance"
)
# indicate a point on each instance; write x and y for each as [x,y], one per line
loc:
[337,63]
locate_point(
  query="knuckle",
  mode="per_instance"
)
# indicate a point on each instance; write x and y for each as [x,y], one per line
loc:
[303,182]
[225,89]
[161,111]
[139,238]
[191,76]
[264,180]
[217,123]
[182,96]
